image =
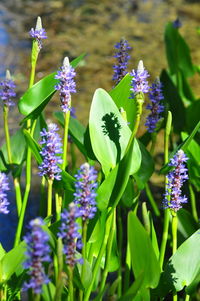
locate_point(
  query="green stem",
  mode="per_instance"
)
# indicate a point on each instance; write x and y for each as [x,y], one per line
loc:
[18,194]
[49,197]
[153,142]
[25,198]
[128,268]
[7,135]
[84,255]
[42,210]
[151,200]
[36,297]
[59,271]
[187,298]
[193,203]
[98,260]
[58,205]
[108,253]
[174,232]
[120,246]
[71,287]
[166,212]
[65,140]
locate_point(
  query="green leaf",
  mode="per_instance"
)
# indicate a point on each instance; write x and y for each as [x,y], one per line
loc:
[186,223]
[146,168]
[18,147]
[34,146]
[37,97]
[121,96]
[104,191]
[48,291]
[143,257]
[133,289]
[76,131]
[11,260]
[178,52]
[109,132]
[183,268]
[2,252]
[174,102]
[184,145]
[192,115]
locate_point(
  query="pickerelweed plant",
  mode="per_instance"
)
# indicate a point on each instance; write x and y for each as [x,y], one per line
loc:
[89,241]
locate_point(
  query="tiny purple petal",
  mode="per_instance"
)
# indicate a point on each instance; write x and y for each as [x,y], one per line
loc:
[139,81]
[37,253]
[51,153]
[3,195]
[176,178]
[122,56]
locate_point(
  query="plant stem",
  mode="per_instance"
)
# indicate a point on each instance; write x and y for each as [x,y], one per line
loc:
[166,212]
[151,200]
[59,271]
[49,197]
[193,203]
[108,253]
[99,257]
[128,268]
[58,205]
[120,246]
[174,232]
[65,140]
[187,298]
[7,135]
[16,180]
[71,287]
[84,255]
[153,142]
[42,210]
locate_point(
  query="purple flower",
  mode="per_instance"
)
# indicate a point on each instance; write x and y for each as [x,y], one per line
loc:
[37,253]
[139,81]
[7,92]
[120,69]
[70,235]
[51,152]
[156,108]
[177,23]
[66,84]
[85,193]
[3,195]
[38,33]
[176,178]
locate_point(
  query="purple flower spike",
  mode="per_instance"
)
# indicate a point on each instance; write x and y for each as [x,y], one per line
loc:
[51,152]
[156,108]
[66,84]
[85,191]
[3,195]
[7,92]
[38,33]
[139,82]
[120,69]
[70,235]
[176,178]
[37,253]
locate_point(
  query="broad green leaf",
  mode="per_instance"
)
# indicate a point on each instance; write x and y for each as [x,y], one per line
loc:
[126,165]
[121,96]
[48,291]
[34,146]
[130,194]
[2,251]
[178,52]
[192,115]
[105,190]
[174,102]
[143,257]
[146,168]
[184,145]
[186,223]
[109,132]
[37,97]
[11,261]
[18,147]
[133,289]
[183,268]
[153,236]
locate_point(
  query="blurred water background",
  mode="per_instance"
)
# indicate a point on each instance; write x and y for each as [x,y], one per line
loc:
[94,27]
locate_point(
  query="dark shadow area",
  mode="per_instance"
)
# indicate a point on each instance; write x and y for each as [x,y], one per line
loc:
[111,127]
